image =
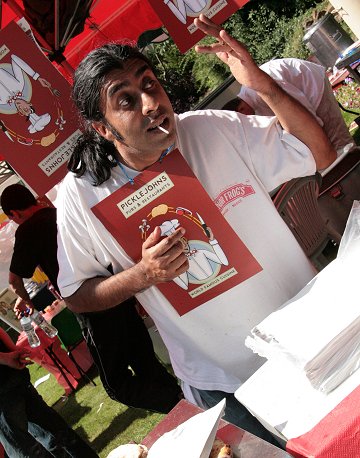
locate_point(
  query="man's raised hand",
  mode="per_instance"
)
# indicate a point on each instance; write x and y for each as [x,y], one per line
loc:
[234,54]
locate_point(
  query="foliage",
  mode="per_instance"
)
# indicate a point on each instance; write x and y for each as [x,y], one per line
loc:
[348,94]
[270,29]
[175,71]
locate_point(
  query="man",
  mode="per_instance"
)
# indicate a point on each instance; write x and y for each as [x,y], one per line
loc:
[28,426]
[120,331]
[35,240]
[122,104]
[308,84]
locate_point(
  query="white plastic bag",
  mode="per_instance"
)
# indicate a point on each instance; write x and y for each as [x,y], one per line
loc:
[318,330]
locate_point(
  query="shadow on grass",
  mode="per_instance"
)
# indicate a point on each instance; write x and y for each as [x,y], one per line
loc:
[120,423]
[71,410]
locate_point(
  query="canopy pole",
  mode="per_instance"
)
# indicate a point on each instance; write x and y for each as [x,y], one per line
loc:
[21,13]
[68,68]
[56,24]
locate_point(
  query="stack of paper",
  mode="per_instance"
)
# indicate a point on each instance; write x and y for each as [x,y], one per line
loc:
[318,330]
[192,439]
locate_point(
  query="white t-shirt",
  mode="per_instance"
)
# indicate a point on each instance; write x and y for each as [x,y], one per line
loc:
[206,345]
[302,79]
[308,84]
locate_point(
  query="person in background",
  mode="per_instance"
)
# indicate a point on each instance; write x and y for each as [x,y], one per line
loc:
[35,240]
[307,82]
[28,426]
[35,245]
[116,339]
[123,104]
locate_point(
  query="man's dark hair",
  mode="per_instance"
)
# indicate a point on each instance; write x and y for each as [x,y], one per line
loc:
[232,104]
[16,197]
[93,153]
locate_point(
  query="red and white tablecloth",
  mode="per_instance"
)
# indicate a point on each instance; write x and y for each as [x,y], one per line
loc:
[40,355]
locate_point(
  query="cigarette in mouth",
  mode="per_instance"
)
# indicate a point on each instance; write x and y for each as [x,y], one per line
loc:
[163,130]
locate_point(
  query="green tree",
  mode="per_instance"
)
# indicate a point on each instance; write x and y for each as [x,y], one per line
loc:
[270,29]
[175,71]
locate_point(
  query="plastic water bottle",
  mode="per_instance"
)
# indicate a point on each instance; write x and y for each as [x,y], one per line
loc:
[49,329]
[28,328]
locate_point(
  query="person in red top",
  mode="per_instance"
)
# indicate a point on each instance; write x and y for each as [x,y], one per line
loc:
[120,331]
[28,426]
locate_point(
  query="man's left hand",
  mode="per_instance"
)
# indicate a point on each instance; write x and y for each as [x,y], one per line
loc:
[21,307]
[234,54]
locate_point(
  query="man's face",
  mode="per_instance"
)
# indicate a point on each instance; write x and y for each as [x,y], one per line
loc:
[134,103]
[23,107]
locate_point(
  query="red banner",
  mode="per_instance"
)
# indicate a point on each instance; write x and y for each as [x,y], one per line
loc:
[178,17]
[38,125]
[160,196]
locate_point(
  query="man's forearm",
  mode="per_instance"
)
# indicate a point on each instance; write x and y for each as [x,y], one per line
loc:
[100,293]
[298,121]
[5,338]
[293,117]
[17,285]
[163,259]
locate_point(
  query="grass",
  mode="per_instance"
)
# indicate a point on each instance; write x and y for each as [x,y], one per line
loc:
[349,117]
[104,423]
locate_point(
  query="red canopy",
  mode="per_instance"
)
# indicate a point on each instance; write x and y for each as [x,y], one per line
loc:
[114,20]
[101,21]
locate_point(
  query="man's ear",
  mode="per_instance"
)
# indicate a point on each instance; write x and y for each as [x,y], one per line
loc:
[14,214]
[102,130]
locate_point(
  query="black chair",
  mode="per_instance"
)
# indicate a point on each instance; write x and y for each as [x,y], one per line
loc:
[70,335]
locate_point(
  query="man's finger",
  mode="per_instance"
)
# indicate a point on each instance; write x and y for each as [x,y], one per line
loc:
[183,268]
[239,48]
[165,244]
[174,254]
[180,264]
[207,26]
[153,238]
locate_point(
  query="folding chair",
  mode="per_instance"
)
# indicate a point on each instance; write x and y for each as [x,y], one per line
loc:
[297,203]
[70,335]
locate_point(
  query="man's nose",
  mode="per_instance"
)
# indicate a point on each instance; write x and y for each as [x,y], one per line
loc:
[149,103]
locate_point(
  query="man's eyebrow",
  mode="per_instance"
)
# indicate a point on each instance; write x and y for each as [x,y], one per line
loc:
[142,70]
[117,87]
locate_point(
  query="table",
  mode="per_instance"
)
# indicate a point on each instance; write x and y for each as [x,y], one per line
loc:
[350,57]
[335,436]
[313,424]
[243,444]
[50,355]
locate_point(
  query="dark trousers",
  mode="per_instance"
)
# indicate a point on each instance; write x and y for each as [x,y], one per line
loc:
[123,352]
[237,414]
[29,428]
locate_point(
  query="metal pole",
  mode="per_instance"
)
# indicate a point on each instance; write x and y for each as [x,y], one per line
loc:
[56,25]
[21,13]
